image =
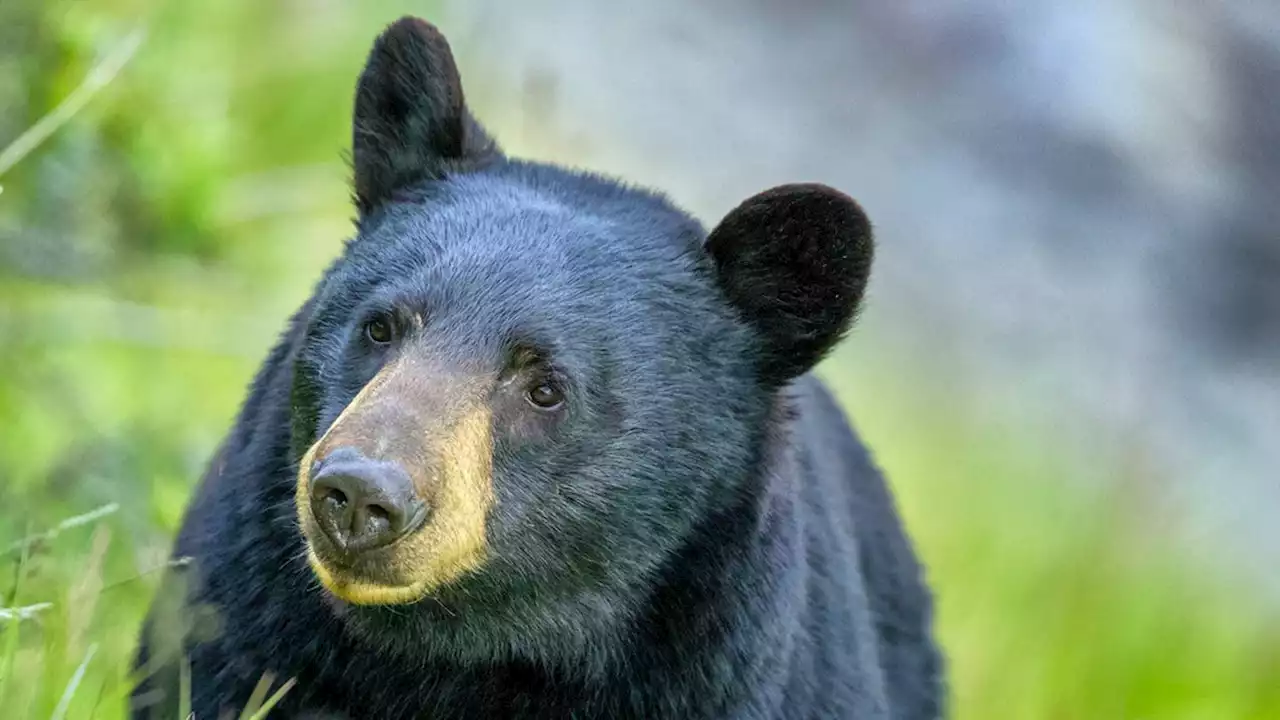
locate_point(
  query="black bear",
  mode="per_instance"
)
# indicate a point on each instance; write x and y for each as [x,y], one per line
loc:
[540,446]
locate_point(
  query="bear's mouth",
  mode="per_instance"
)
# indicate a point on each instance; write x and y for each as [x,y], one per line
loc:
[392,575]
[399,574]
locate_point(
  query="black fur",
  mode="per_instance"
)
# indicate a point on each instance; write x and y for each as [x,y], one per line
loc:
[411,122]
[700,535]
[795,260]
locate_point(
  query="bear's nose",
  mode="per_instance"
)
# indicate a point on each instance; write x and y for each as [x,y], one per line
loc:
[362,504]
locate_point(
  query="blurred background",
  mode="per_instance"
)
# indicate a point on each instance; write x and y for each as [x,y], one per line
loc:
[1069,364]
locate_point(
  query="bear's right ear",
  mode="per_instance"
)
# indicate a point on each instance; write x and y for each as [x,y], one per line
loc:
[794,261]
[411,122]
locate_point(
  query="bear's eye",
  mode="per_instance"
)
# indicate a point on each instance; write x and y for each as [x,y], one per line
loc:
[378,329]
[545,396]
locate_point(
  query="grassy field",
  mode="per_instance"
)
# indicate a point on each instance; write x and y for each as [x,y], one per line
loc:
[151,247]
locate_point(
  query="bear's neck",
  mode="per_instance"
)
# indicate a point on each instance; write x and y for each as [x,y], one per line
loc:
[730,612]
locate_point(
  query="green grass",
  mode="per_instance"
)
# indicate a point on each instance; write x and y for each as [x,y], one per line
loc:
[131,323]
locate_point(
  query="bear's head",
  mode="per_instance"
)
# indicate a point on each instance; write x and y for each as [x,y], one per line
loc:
[522,390]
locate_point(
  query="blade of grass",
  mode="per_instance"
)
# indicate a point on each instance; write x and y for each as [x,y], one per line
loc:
[275,698]
[27,542]
[184,688]
[131,682]
[97,703]
[82,598]
[64,702]
[27,612]
[11,632]
[6,662]
[256,697]
[99,77]
[180,562]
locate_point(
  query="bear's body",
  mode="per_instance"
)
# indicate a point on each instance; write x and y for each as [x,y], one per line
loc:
[668,517]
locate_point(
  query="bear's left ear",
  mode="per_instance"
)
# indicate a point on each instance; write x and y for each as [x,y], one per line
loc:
[411,122]
[795,261]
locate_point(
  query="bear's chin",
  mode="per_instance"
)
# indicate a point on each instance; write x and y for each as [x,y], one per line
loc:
[360,592]
[429,627]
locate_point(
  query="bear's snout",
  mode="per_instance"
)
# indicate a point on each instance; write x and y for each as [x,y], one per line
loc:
[362,504]
[393,499]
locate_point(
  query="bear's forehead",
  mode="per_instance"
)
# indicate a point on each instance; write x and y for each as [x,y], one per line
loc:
[531,227]
[491,248]
[494,223]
